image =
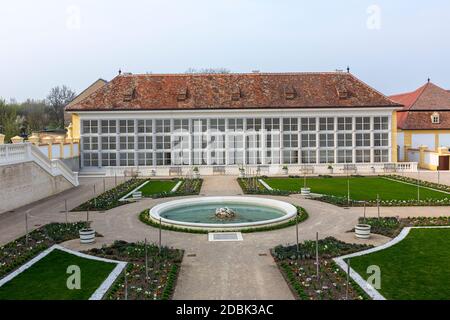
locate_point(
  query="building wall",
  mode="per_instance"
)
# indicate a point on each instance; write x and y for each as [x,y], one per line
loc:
[290,143]
[400,146]
[24,183]
[75,126]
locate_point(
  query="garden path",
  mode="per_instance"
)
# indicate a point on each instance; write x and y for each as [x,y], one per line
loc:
[220,186]
[210,270]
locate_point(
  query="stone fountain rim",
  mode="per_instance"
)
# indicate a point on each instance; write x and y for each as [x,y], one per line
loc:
[289,210]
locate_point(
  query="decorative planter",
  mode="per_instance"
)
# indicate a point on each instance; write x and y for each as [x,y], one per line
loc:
[362,231]
[306,191]
[137,195]
[330,170]
[241,174]
[87,235]
[153,173]
[285,171]
[196,175]
[372,170]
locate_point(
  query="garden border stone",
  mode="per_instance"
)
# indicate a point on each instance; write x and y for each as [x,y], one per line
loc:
[98,293]
[174,189]
[371,291]
[265,185]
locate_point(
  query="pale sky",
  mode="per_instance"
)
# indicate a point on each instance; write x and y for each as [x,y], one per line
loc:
[393,45]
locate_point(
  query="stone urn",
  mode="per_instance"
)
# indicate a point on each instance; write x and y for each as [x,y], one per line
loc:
[305,191]
[196,175]
[225,213]
[87,235]
[362,231]
[241,174]
[330,170]
[137,195]
[284,170]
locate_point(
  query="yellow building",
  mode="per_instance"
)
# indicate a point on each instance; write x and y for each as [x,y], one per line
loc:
[424,126]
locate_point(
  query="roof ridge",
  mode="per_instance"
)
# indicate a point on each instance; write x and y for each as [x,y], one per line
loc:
[421,90]
[230,74]
[372,88]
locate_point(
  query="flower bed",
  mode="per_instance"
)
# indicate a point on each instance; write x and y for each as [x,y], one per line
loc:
[392,226]
[253,186]
[110,198]
[188,187]
[299,270]
[163,270]
[422,183]
[343,202]
[16,253]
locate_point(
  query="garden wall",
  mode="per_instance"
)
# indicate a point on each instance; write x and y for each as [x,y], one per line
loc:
[24,183]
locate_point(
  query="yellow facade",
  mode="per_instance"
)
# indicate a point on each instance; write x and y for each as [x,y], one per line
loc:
[75,127]
[394,137]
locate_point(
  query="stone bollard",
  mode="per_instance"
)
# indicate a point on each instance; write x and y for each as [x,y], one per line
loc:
[34,138]
[17,139]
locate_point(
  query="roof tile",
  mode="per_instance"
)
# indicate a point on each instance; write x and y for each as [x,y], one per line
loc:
[233,91]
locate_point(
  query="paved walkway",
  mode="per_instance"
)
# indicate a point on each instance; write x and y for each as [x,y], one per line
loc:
[220,186]
[218,270]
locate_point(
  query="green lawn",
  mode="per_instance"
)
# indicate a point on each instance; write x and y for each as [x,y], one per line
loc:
[47,278]
[417,268]
[157,186]
[361,188]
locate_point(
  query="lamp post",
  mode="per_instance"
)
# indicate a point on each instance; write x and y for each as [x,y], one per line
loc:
[418,185]
[348,190]
[438,174]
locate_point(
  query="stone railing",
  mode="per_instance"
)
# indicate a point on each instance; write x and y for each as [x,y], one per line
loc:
[24,152]
[293,169]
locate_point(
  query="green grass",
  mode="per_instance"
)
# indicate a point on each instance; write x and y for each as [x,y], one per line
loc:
[361,188]
[157,186]
[417,268]
[47,278]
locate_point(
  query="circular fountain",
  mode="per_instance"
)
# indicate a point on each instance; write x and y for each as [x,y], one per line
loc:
[223,213]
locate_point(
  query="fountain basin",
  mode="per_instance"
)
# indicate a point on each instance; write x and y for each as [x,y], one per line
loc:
[199,213]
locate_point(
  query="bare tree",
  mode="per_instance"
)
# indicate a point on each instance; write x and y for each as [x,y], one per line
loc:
[208,70]
[57,99]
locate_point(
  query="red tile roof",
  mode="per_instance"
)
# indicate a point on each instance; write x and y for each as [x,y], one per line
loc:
[427,97]
[421,120]
[233,91]
[420,105]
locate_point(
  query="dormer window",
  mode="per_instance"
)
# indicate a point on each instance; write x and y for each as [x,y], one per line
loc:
[182,94]
[435,118]
[290,93]
[342,92]
[236,94]
[129,94]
